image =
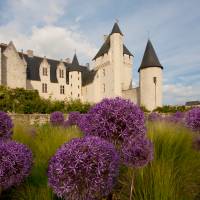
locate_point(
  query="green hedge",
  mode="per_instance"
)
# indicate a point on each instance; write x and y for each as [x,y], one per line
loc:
[172,109]
[20,100]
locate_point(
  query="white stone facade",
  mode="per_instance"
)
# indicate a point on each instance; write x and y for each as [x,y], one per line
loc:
[60,80]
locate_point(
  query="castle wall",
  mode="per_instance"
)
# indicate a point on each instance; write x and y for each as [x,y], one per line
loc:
[132,94]
[151,93]
[14,69]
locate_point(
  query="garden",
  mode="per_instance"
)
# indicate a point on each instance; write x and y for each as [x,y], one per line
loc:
[112,152]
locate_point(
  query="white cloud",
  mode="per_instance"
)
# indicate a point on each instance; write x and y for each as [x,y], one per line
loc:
[179,93]
[34,27]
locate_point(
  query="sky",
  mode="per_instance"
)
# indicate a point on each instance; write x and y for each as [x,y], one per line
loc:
[58,28]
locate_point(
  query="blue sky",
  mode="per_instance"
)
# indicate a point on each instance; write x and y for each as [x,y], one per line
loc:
[56,28]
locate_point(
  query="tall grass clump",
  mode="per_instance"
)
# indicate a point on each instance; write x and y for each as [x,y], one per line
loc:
[174,173]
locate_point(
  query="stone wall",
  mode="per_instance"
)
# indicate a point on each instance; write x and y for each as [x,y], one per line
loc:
[31,118]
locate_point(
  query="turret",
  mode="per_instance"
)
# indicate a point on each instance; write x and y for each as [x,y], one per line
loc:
[116,44]
[150,79]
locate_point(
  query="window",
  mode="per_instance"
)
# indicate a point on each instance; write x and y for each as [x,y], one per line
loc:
[78,95]
[78,78]
[44,88]
[61,73]
[104,72]
[71,84]
[71,76]
[62,89]
[78,86]
[154,80]
[71,93]
[104,87]
[45,71]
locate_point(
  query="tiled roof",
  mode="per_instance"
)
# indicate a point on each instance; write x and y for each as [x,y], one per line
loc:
[33,66]
[150,58]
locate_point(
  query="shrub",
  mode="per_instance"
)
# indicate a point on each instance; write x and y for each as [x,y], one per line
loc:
[84,168]
[6,126]
[15,163]
[114,120]
[193,119]
[57,118]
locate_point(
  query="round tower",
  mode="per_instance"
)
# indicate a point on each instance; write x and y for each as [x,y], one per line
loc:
[151,79]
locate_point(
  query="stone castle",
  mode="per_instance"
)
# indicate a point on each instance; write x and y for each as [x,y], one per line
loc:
[111,75]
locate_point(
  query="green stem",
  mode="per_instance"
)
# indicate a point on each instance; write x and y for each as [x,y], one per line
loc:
[132,185]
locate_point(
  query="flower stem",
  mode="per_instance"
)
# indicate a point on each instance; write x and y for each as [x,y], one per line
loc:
[132,185]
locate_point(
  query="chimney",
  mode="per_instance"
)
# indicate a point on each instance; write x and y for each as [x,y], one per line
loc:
[67,60]
[105,37]
[30,53]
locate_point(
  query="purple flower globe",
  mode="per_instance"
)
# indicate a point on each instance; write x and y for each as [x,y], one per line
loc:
[192,119]
[15,163]
[137,152]
[85,168]
[57,118]
[73,119]
[6,126]
[114,120]
[154,117]
[177,117]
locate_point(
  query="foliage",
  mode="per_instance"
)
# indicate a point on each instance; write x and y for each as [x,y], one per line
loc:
[15,163]
[171,109]
[193,119]
[20,100]
[84,169]
[6,126]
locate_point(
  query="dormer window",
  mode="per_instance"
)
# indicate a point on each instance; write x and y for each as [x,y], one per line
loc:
[61,73]
[45,71]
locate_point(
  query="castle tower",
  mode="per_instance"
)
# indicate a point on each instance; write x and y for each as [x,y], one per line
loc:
[150,74]
[116,45]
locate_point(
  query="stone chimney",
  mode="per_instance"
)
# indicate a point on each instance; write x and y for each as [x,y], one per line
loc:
[30,53]
[68,60]
[105,37]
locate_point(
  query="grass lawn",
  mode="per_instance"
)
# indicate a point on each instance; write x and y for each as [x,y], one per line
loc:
[174,174]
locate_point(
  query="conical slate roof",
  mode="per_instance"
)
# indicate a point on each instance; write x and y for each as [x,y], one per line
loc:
[75,62]
[150,58]
[106,45]
[116,29]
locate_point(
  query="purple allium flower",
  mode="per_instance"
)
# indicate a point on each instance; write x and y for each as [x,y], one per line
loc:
[154,117]
[84,169]
[192,119]
[73,119]
[137,152]
[15,163]
[177,117]
[114,120]
[6,126]
[57,118]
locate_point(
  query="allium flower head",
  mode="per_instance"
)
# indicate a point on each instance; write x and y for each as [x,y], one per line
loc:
[137,152]
[154,117]
[15,163]
[57,118]
[114,120]
[73,119]
[6,126]
[177,117]
[84,169]
[193,119]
